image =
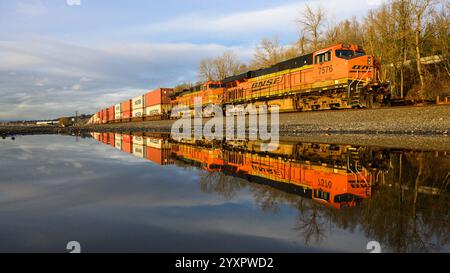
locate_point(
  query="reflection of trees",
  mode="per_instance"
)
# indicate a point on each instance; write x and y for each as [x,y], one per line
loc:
[401,215]
[219,183]
[310,222]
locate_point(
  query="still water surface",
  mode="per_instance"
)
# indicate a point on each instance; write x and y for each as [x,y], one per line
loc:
[148,193]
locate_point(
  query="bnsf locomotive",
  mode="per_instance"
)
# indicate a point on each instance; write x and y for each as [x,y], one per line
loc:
[337,77]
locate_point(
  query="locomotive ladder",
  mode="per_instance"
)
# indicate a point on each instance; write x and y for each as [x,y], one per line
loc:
[357,80]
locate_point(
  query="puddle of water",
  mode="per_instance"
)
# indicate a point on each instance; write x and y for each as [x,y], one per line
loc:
[145,192]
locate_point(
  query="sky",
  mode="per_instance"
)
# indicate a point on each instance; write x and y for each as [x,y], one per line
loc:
[62,56]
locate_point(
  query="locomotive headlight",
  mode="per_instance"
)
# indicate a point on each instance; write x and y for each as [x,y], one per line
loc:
[369,60]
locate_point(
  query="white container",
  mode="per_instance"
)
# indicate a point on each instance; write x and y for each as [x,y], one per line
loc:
[154,110]
[138,140]
[138,113]
[139,151]
[117,116]
[118,144]
[153,142]
[118,108]
[138,102]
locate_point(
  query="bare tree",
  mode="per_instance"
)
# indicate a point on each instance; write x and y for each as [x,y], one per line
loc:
[311,22]
[419,9]
[220,67]
[268,52]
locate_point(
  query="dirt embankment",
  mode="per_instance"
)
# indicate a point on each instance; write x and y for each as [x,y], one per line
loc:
[426,120]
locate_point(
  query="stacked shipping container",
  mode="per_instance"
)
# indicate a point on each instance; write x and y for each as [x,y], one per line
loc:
[157,103]
[126,111]
[150,106]
[138,108]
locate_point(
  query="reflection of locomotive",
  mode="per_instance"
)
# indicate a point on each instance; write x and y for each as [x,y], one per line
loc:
[337,77]
[337,175]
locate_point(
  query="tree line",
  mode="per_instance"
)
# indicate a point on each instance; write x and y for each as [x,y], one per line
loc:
[409,37]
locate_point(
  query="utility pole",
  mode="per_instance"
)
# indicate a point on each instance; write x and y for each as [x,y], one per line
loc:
[76,117]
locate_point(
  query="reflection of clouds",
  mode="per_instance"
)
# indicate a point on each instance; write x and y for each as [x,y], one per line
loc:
[44,170]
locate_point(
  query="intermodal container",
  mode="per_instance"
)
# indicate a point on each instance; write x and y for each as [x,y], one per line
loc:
[104,116]
[157,110]
[99,117]
[126,115]
[111,115]
[138,113]
[117,112]
[158,97]
[126,106]
[138,102]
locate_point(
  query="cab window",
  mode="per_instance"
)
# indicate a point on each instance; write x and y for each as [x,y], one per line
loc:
[324,57]
[345,54]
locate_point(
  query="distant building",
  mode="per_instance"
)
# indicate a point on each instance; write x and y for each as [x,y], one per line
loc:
[50,122]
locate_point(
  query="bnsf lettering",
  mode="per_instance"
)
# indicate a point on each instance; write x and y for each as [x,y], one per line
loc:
[266,83]
[361,67]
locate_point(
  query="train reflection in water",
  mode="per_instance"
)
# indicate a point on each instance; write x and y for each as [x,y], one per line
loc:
[336,175]
[397,197]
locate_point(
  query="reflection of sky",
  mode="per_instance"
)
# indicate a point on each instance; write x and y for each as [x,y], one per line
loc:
[54,190]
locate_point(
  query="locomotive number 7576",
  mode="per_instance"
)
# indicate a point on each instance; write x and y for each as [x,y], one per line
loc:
[325,69]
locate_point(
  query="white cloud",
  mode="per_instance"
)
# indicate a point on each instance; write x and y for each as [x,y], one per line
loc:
[76,87]
[279,20]
[41,82]
[33,8]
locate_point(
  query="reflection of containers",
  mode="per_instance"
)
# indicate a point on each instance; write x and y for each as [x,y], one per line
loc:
[153,142]
[139,150]
[126,110]
[96,136]
[138,140]
[118,141]
[157,143]
[138,108]
[111,139]
[158,156]
[127,144]
[98,121]
[105,138]
[157,103]
[117,112]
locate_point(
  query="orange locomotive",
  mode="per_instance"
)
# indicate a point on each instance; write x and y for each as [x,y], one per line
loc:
[337,77]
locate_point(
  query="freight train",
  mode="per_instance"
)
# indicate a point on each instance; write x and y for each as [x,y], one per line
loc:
[335,175]
[337,77]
